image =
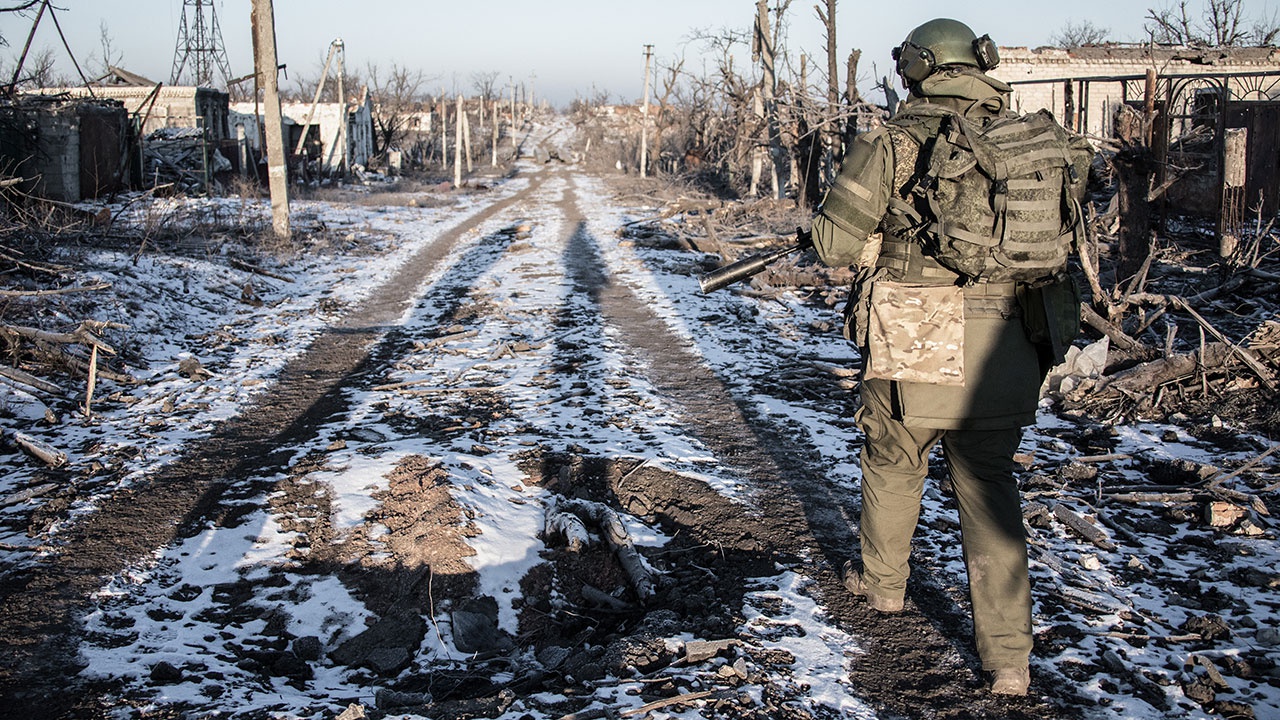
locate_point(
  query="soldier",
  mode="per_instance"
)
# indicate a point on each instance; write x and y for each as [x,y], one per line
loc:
[950,355]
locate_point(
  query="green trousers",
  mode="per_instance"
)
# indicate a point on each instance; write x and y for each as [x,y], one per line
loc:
[894,464]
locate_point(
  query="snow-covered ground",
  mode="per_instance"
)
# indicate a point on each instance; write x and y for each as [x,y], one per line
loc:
[1130,626]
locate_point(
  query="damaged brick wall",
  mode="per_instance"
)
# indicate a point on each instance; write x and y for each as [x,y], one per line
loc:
[68,149]
[1029,69]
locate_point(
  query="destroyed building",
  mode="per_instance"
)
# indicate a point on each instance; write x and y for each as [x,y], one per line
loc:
[1082,86]
[1196,95]
[67,149]
[183,129]
[337,135]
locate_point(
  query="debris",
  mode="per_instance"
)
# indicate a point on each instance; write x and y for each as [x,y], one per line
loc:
[1082,526]
[1222,514]
[386,647]
[353,712]
[560,524]
[698,651]
[42,451]
[475,625]
[615,534]
[190,367]
[30,493]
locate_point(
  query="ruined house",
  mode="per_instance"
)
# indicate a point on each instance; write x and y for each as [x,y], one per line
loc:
[67,149]
[161,106]
[1082,86]
[183,129]
[332,131]
[1197,95]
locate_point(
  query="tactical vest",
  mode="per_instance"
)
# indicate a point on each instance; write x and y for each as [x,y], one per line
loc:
[995,202]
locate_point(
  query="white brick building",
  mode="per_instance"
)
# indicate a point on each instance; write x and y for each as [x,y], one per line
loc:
[1082,86]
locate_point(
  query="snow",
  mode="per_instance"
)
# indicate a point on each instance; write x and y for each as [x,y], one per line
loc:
[165,609]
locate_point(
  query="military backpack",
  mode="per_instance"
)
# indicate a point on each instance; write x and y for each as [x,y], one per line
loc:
[996,202]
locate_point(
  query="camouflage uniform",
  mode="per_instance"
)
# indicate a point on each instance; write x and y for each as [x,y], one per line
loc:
[975,402]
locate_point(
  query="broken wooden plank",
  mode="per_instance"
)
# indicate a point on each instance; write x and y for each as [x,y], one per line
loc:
[42,451]
[446,339]
[1147,376]
[55,291]
[21,496]
[26,378]
[249,268]
[1082,526]
[1108,328]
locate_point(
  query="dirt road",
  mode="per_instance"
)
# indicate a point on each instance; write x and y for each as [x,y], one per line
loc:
[519,342]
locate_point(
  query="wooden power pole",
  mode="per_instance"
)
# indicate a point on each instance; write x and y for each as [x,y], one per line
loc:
[267,67]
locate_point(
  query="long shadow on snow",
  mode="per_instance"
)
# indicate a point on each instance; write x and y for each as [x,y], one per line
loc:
[801,512]
[199,490]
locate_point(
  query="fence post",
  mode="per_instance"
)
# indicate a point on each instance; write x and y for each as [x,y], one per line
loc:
[1235,151]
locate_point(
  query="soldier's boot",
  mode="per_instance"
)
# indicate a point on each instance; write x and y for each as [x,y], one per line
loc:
[854,584]
[1011,681]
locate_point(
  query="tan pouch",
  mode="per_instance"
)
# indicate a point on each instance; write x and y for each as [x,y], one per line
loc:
[916,333]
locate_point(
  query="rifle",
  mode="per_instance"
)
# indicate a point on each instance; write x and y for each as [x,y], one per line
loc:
[747,267]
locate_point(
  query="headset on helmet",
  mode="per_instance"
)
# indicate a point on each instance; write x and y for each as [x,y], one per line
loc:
[943,42]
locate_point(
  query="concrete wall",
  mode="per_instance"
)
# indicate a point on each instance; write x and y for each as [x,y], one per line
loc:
[57,159]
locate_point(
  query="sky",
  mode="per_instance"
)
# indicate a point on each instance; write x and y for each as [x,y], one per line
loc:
[559,49]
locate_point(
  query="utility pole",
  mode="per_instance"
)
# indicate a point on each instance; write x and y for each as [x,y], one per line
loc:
[343,142]
[644,116]
[267,66]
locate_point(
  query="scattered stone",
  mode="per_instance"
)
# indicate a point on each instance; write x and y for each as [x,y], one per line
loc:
[386,699]
[1268,636]
[1222,514]
[1208,627]
[475,625]
[386,647]
[388,661]
[698,651]
[190,367]
[1233,709]
[307,647]
[289,665]
[1079,472]
[553,656]
[353,712]
[163,673]
[1249,528]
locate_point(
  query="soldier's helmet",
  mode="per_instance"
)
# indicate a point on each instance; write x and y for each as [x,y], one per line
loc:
[939,43]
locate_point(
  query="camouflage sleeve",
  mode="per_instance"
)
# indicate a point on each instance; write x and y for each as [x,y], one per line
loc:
[856,201]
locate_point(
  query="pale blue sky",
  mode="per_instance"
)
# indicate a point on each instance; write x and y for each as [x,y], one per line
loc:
[565,48]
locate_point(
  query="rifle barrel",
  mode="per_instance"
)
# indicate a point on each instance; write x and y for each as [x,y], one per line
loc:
[744,268]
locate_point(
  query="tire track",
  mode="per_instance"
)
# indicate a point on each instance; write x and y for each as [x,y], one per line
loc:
[915,664]
[38,628]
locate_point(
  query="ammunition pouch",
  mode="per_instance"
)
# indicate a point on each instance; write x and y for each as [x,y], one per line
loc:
[857,310]
[1051,315]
